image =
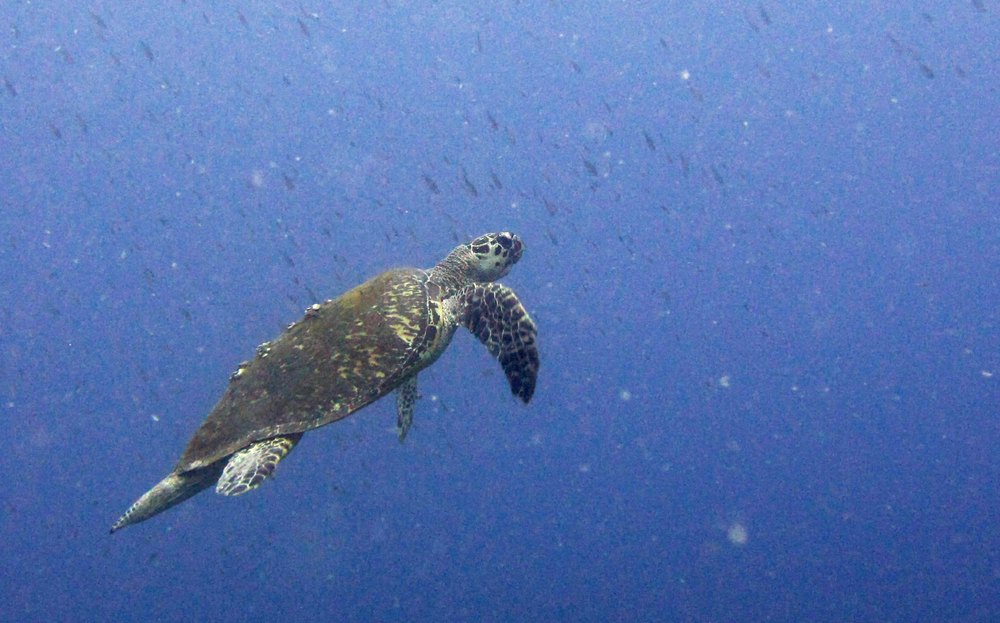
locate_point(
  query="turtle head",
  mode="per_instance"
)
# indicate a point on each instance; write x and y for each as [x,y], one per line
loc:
[485,259]
[494,255]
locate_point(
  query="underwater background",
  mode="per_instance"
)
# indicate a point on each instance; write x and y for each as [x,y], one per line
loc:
[762,250]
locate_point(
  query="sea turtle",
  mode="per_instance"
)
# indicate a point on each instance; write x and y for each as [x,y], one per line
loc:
[345,354]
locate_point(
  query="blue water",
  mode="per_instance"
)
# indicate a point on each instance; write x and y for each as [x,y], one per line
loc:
[763,245]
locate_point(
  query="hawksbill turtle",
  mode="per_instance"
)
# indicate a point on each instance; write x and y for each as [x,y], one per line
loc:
[345,354]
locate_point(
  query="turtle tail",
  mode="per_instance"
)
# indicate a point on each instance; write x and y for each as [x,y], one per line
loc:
[170,491]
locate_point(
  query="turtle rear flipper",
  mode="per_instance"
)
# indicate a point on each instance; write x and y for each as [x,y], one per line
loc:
[493,313]
[251,466]
[406,397]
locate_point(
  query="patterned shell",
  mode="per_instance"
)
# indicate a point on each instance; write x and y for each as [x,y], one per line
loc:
[342,356]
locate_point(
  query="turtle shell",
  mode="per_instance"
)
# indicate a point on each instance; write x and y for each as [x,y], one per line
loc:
[342,356]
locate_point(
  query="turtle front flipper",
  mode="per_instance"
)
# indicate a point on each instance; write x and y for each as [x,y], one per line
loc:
[406,397]
[247,469]
[493,313]
[170,491]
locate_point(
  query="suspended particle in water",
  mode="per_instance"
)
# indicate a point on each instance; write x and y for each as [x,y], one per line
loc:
[737,534]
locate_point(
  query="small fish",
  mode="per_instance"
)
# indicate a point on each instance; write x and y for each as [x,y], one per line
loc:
[10,87]
[896,45]
[431,184]
[926,70]
[649,141]
[626,241]
[717,176]
[591,168]
[98,20]
[764,15]
[303,28]
[469,186]
[147,51]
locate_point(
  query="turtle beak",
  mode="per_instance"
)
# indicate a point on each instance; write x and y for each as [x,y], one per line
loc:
[516,247]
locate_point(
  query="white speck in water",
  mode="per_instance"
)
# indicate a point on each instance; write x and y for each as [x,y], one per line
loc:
[257,178]
[737,534]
